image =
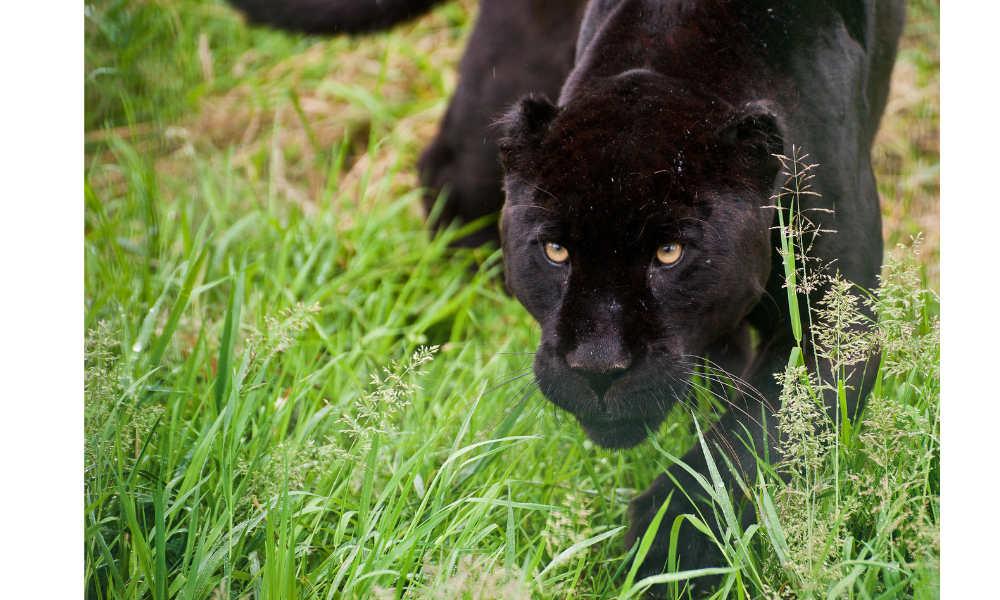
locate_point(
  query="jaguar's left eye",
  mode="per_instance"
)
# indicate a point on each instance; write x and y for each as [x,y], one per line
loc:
[668,254]
[556,253]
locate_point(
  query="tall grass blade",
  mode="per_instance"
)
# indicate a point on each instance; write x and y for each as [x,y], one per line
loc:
[572,550]
[369,477]
[644,584]
[647,541]
[194,264]
[160,582]
[233,308]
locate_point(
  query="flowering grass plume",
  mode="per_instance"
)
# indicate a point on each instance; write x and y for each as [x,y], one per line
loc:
[858,506]
[274,335]
[374,413]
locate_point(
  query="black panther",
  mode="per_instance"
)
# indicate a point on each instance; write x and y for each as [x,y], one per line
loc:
[637,223]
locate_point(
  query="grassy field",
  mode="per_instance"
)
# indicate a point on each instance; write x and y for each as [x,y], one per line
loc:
[262,420]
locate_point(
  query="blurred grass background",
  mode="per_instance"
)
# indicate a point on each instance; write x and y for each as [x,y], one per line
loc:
[171,75]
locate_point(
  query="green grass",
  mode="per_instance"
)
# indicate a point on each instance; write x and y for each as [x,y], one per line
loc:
[254,255]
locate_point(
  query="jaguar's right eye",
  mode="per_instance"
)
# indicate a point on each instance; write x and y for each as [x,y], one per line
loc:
[556,253]
[668,254]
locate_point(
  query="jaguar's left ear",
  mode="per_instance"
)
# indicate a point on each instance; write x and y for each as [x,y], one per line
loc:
[755,139]
[523,127]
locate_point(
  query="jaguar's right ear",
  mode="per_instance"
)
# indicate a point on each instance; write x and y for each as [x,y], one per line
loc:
[523,128]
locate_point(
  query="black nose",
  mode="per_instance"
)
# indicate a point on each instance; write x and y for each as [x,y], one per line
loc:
[601,381]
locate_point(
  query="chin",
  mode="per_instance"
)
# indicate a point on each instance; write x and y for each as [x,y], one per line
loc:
[618,434]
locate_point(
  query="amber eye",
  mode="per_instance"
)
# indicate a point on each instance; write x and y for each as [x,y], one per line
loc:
[556,253]
[668,254]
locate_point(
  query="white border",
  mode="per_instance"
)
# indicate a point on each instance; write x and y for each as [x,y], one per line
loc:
[41,239]
[970,218]
[41,337]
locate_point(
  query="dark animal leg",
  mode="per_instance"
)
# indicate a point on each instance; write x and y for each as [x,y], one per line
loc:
[332,16]
[752,410]
[518,47]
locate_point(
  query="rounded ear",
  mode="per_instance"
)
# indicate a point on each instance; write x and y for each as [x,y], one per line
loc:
[755,140]
[523,128]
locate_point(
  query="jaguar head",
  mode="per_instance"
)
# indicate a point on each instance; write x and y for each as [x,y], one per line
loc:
[636,230]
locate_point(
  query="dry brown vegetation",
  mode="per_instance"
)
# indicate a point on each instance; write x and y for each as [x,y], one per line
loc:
[907,149]
[284,116]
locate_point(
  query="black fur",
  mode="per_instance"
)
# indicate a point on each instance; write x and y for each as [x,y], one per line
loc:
[667,118]
[517,48]
[332,16]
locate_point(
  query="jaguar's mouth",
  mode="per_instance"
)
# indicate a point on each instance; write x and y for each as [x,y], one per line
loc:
[614,433]
[597,418]
[619,417]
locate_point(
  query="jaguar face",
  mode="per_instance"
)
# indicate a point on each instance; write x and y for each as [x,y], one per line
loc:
[636,230]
